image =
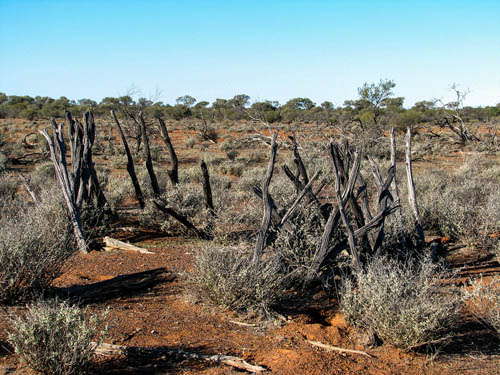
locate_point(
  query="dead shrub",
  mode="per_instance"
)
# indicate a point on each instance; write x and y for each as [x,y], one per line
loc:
[35,240]
[401,302]
[55,338]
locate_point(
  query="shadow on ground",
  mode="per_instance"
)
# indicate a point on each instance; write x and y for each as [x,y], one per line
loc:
[157,360]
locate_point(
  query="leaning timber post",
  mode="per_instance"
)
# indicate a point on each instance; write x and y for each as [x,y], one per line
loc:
[207,189]
[57,154]
[173,172]
[395,192]
[147,151]
[267,202]
[345,220]
[412,199]
[130,163]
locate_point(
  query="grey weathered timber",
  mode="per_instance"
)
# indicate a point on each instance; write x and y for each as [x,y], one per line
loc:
[148,352]
[207,189]
[130,163]
[147,151]
[412,198]
[267,202]
[300,164]
[340,204]
[173,172]
[395,193]
[297,201]
[58,156]
[161,204]
[334,217]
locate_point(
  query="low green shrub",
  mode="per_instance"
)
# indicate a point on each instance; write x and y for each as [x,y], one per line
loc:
[35,240]
[483,301]
[227,277]
[54,338]
[403,303]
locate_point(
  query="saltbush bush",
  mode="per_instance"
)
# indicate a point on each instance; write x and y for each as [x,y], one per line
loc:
[35,240]
[227,277]
[483,300]
[464,205]
[54,338]
[402,303]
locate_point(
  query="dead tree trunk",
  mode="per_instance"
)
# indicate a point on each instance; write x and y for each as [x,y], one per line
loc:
[58,156]
[207,189]
[130,163]
[173,172]
[267,203]
[412,199]
[149,160]
[394,187]
[340,204]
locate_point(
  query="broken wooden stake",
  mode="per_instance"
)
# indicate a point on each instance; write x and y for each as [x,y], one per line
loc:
[338,349]
[114,244]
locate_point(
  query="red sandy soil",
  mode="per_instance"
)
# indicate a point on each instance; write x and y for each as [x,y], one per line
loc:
[166,316]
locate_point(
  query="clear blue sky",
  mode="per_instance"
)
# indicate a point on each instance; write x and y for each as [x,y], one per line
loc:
[273,50]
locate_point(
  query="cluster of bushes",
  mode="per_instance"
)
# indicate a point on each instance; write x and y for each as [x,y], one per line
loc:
[36,239]
[401,302]
[401,298]
[463,204]
[55,338]
[372,109]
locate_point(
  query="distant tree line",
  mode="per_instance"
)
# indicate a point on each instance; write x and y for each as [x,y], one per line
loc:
[376,105]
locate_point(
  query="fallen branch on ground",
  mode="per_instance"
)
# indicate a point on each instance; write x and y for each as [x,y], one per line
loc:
[338,349]
[112,244]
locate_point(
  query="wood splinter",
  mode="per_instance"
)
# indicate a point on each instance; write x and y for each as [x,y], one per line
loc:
[338,349]
[114,244]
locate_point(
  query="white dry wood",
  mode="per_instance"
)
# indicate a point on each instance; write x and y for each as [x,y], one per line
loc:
[412,199]
[112,243]
[338,349]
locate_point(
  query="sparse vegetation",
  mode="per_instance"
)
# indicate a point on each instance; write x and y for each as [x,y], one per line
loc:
[483,301]
[226,276]
[463,204]
[35,241]
[402,302]
[54,338]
